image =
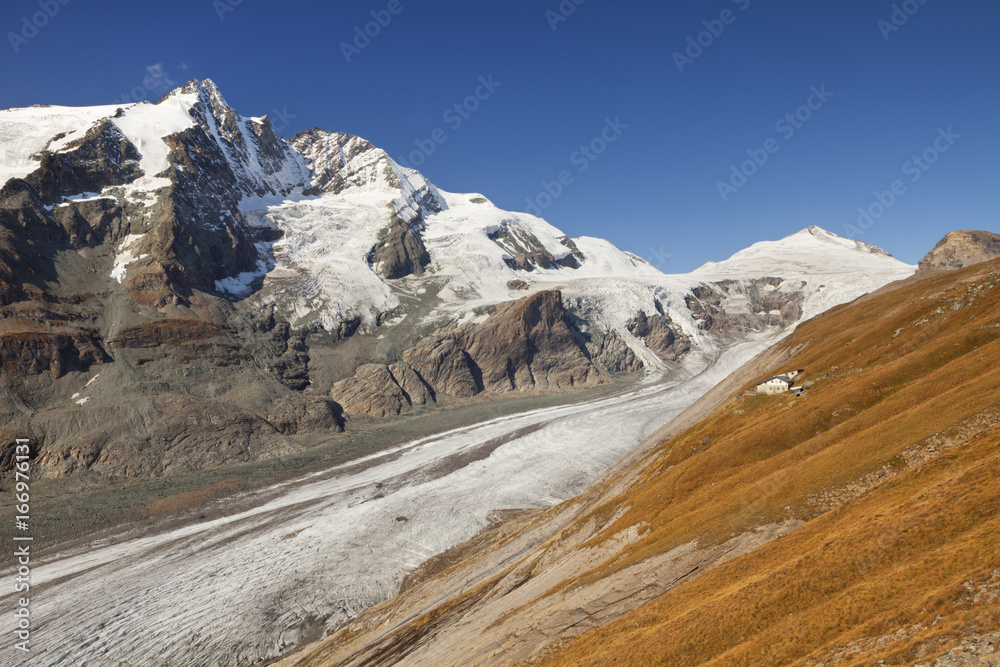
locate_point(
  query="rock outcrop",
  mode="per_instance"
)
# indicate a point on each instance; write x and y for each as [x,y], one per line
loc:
[960,249]
[529,344]
[614,355]
[382,391]
[526,252]
[444,365]
[102,157]
[524,345]
[152,436]
[660,335]
[731,308]
[400,252]
[29,353]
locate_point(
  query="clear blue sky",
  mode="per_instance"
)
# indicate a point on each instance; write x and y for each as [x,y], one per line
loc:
[654,190]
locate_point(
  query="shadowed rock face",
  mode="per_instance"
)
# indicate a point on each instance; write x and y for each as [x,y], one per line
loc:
[960,249]
[102,157]
[524,345]
[764,306]
[26,233]
[659,336]
[24,354]
[400,253]
[526,252]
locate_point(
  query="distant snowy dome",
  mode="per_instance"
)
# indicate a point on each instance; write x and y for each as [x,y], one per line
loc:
[812,249]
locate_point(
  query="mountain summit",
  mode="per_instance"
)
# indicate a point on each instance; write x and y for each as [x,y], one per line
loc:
[960,249]
[169,264]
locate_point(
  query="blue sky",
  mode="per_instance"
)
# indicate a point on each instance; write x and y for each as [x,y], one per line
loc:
[654,189]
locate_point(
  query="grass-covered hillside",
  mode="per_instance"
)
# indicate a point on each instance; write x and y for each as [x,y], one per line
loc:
[892,460]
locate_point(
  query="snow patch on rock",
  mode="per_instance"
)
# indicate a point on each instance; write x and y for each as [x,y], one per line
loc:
[145,125]
[126,256]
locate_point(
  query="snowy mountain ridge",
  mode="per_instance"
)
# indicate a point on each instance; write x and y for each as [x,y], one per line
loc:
[339,234]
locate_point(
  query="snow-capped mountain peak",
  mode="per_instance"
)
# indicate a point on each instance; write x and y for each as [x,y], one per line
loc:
[812,249]
[354,235]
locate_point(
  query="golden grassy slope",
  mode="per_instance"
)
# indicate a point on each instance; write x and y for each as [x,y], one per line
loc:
[892,460]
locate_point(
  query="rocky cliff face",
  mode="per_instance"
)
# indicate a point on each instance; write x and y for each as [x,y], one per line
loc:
[765,305]
[660,335]
[117,353]
[959,249]
[525,345]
